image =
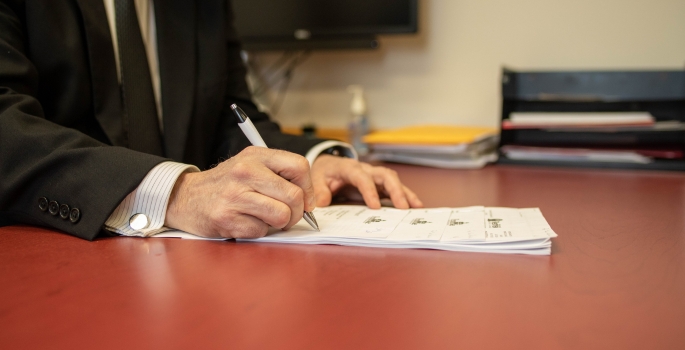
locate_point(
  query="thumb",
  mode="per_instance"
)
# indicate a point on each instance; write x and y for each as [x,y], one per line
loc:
[321,192]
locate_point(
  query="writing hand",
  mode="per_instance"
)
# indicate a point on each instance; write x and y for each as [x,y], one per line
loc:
[243,196]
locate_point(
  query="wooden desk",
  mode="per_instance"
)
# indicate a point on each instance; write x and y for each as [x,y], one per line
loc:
[615,279]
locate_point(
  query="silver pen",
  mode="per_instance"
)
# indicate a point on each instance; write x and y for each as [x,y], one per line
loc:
[252,134]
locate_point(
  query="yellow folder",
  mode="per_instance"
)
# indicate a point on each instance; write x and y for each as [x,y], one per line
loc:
[430,135]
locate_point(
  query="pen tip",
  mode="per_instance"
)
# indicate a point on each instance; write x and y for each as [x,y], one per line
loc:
[239,113]
[309,218]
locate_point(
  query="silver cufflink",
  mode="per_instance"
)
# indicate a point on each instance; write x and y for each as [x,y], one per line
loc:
[138,221]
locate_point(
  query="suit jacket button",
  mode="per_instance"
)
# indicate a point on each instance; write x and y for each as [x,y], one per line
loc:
[74,215]
[43,204]
[53,207]
[64,211]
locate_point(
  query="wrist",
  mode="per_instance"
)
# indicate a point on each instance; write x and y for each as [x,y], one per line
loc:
[178,201]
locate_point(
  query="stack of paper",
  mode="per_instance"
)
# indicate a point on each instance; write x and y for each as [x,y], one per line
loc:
[439,146]
[542,120]
[579,154]
[600,137]
[470,229]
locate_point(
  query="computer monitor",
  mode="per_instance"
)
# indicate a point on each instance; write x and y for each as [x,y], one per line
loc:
[321,24]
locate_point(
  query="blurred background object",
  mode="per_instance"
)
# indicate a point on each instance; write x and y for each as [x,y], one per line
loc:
[624,119]
[449,71]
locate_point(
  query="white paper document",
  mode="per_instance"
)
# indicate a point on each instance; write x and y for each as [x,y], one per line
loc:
[472,229]
[496,230]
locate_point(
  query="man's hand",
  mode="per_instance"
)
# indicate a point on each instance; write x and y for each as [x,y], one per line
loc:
[330,174]
[242,196]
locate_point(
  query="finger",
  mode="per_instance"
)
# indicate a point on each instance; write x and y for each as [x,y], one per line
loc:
[276,187]
[260,179]
[290,166]
[413,199]
[366,186]
[244,226]
[267,209]
[391,182]
[323,193]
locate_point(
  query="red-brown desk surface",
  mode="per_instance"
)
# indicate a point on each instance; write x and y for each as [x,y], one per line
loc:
[615,279]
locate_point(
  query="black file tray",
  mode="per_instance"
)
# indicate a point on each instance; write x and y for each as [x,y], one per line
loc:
[661,93]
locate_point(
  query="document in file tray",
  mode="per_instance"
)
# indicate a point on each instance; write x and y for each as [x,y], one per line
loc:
[473,229]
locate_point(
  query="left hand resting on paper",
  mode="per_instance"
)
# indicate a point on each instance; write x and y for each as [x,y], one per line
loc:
[330,174]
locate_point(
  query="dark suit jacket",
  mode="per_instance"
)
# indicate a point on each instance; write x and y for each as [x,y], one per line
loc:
[61,133]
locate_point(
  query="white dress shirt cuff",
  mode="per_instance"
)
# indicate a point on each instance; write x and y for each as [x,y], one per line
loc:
[150,199]
[347,150]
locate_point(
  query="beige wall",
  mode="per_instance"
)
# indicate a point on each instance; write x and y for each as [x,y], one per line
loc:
[449,72]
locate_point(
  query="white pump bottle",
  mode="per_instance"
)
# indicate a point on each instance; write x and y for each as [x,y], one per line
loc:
[359,124]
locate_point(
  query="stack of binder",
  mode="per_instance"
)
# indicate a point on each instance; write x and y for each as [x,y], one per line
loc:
[441,146]
[633,119]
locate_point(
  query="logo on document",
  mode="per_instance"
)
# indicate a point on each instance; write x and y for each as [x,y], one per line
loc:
[419,221]
[456,222]
[373,219]
[495,223]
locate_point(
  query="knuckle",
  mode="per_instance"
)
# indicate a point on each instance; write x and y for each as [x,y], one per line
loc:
[262,230]
[241,169]
[356,171]
[302,163]
[256,230]
[217,217]
[249,150]
[247,230]
[254,152]
[295,194]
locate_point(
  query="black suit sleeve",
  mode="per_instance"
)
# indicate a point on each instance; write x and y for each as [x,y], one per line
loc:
[39,158]
[237,92]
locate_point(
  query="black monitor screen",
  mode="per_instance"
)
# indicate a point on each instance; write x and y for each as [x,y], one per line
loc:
[272,19]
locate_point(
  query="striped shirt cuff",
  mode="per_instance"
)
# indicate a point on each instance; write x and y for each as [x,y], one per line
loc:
[150,199]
